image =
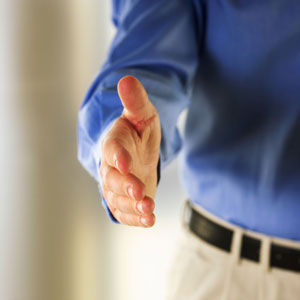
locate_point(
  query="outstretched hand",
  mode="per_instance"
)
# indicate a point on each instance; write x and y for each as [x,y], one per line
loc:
[130,153]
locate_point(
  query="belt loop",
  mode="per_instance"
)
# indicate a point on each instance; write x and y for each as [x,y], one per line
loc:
[264,256]
[236,245]
[186,213]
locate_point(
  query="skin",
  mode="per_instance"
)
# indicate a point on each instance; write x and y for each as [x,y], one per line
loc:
[130,153]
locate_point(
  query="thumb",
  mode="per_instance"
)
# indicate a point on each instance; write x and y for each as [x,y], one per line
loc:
[133,95]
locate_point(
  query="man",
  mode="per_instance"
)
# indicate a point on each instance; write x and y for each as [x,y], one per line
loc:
[236,66]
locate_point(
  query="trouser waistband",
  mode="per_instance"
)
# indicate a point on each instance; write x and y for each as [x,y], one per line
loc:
[281,253]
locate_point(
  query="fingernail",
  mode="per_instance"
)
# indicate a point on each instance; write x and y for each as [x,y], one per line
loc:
[144,221]
[117,164]
[109,197]
[140,207]
[130,191]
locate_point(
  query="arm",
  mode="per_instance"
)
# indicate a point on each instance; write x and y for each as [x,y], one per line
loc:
[157,43]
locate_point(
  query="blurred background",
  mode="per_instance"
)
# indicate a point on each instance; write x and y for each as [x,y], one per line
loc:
[56,242]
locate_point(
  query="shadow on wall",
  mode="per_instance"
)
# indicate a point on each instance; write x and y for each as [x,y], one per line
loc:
[55,230]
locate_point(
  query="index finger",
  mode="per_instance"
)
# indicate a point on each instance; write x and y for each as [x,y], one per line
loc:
[115,155]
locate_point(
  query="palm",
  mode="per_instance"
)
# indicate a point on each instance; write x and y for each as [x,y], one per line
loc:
[144,149]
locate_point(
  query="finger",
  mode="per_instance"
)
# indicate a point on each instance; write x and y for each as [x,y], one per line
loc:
[123,185]
[130,206]
[116,155]
[137,107]
[105,192]
[135,220]
[127,218]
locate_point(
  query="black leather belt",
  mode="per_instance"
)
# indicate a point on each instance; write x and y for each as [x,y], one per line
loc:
[280,256]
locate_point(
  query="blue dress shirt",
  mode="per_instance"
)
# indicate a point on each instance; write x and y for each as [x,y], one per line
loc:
[235,65]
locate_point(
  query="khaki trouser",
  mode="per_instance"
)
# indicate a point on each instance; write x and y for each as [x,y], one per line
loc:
[201,271]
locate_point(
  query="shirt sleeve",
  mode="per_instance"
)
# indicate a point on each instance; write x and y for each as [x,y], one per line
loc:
[157,42]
